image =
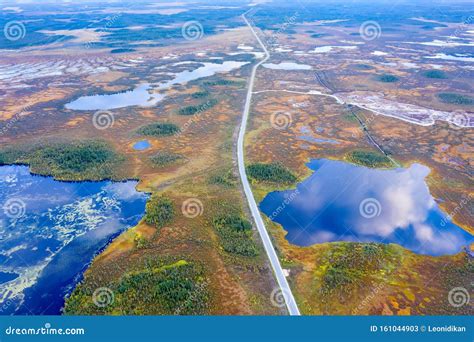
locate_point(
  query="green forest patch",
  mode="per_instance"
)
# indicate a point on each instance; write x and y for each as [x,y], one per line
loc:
[436,74]
[235,234]
[223,178]
[363,66]
[270,173]
[164,159]
[224,82]
[347,264]
[200,94]
[85,160]
[453,98]
[158,129]
[387,78]
[159,211]
[369,159]
[178,288]
[200,108]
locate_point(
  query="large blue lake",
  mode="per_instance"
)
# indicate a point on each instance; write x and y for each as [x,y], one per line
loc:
[344,202]
[50,231]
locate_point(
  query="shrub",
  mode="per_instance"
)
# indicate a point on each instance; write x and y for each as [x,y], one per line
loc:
[200,94]
[387,78]
[75,158]
[140,241]
[178,288]
[349,263]
[435,74]
[124,50]
[92,160]
[224,82]
[273,173]
[364,66]
[235,234]
[158,129]
[191,110]
[454,98]
[369,159]
[159,211]
[318,35]
[162,159]
[224,178]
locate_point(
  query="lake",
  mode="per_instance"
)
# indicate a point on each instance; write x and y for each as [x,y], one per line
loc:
[287,66]
[345,202]
[206,70]
[50,232]
[140,96]
[144,95]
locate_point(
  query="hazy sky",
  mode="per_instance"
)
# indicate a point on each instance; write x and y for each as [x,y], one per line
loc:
[217,2]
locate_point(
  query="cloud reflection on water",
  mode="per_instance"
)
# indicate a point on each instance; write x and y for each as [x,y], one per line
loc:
[327,209]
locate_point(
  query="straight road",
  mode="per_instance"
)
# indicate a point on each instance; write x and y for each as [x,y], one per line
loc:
[267,243]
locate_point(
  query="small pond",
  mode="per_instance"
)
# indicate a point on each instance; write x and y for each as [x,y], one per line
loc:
[141,145]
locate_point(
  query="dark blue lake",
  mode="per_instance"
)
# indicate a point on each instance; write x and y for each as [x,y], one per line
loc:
[345,202]
[50,231]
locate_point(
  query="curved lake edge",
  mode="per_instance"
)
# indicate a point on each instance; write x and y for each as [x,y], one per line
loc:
[80,276]
[95,91]
[68,180]
[104,243]
[308,172]
[263,190]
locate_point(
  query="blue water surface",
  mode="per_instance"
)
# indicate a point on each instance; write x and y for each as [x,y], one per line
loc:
[142,145]
[50,231]
[140,96]
[345,202]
